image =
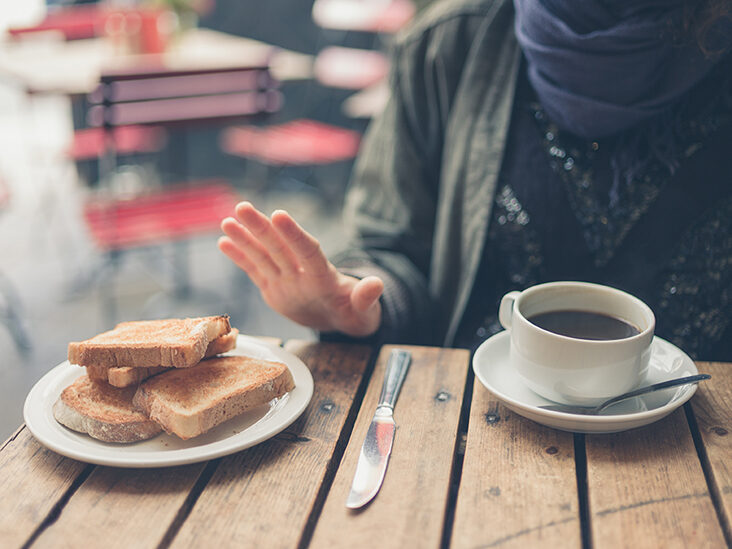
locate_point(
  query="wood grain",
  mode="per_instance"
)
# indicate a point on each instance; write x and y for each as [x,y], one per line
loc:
[518,486]
[409,510]
[647,489]
[124,507]
[712,406]
[265,496]
[32,482]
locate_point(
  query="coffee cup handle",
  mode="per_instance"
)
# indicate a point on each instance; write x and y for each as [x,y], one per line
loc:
[505,310]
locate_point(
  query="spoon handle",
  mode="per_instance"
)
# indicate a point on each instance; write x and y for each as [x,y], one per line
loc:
[654,387]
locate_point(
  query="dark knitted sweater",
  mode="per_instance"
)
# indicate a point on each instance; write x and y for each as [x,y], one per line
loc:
[663,232]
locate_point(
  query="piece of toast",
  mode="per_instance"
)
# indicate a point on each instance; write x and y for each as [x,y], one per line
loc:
[222,344]
[122,376]
[125,376]
[189,402]
[103,412]
[173,342]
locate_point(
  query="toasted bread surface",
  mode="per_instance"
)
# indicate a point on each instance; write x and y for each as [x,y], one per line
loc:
[103,412]
[222,344]
[98,373]
[189,402]
[178,343]
[125,376]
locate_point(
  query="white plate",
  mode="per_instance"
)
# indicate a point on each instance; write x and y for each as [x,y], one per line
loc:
[492,367]
[236,434]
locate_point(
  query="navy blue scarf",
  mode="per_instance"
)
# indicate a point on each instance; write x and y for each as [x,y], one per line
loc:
[602,66]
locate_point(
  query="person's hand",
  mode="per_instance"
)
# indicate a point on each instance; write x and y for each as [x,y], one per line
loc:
[295,278]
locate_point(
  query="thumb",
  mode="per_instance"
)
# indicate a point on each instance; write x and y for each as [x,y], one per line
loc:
[366,292]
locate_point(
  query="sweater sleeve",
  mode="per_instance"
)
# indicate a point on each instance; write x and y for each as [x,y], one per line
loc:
[391,202]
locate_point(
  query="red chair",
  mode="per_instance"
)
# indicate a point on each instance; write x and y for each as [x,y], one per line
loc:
[315,155]
[140,26]
[350,68]
[154,95]
[295,143]
[127,109]
[73,22]
[91,143]
[165,215]
[379,16]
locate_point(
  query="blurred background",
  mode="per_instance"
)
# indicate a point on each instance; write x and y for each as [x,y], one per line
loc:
[128,130]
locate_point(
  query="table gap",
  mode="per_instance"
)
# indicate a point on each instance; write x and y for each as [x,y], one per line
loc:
[338,451]
[583,496]
[56,510]
[185,509]
[458,454]
[701,453]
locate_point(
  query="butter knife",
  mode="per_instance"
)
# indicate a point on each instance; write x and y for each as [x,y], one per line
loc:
[377,445]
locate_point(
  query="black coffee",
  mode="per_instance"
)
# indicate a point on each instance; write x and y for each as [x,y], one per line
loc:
[584,325]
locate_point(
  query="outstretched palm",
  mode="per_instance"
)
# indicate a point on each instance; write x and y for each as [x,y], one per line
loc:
[294,276]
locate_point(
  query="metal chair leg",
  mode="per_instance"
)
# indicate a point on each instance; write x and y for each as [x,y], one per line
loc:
[12,317]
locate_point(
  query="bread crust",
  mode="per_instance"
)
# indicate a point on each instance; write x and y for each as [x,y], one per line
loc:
[222,344]
[103,412]
[176,343]
[125,376]
[190,402]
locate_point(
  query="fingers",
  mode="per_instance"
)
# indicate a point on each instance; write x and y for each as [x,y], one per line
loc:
[366,292]
[245,248]
[305,246]
[260,227]
[271,247]
[241,260]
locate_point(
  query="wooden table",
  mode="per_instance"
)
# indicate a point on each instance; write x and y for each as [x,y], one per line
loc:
[465,472]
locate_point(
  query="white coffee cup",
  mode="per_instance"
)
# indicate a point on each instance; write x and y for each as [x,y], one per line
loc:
[571,370]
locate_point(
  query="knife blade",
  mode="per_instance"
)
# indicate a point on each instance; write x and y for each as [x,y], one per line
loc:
[376,448]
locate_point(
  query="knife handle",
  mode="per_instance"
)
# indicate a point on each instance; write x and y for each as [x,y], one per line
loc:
[396,371]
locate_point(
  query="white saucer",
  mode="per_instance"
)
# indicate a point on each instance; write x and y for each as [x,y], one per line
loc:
[492,367]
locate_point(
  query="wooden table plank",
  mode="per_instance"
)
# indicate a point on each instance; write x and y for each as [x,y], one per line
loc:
[647,489]
[265,496]
[123,507]
[712,406]
[411,505]
[33,481]
[518,486]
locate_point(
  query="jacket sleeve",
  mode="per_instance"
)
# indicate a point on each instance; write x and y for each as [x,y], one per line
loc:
[391,202]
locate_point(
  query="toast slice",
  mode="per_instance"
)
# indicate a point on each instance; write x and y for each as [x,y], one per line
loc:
[222,344]
[125,376]
[189,402]
[103,412]
[174,342]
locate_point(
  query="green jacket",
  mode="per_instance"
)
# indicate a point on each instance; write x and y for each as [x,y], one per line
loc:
[420,200]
